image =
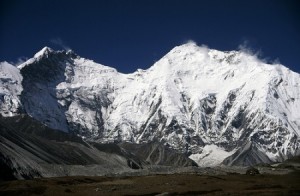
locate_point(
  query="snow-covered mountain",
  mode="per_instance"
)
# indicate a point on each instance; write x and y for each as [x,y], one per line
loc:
[216,106]
[10,89]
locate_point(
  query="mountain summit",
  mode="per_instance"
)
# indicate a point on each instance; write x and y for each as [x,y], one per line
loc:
[216,107]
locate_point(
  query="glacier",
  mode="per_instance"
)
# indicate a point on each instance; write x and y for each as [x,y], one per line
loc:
[217,107]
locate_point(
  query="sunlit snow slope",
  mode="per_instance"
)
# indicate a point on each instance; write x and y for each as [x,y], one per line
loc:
[210,104]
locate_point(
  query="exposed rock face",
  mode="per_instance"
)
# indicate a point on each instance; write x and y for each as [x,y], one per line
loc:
[249,154]
[39,88]
[198,101]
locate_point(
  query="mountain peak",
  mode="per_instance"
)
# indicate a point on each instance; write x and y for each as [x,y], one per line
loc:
[190,45]
[46,50]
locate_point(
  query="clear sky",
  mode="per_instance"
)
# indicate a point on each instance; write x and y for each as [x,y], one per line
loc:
[128,34]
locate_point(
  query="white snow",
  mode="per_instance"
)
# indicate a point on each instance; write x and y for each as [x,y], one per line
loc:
[10,89]
[210,156]
[44,51]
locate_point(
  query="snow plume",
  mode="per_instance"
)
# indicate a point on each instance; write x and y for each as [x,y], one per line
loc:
[204,49]
[187,41]
[19,61]
[191,42]
[258,54]
[59,42]
[246,48]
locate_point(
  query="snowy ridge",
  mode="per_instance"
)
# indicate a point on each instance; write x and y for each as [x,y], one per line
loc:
[200,101]
[10,89]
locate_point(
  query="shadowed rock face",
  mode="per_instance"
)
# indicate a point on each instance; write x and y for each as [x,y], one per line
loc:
[6,172]
[248,155]
[39,88]
[30,149]
[156,153]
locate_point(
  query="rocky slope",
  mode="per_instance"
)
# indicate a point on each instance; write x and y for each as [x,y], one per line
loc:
[29,149]
[208,104]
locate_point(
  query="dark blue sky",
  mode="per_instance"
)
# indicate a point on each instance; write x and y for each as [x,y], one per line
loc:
[134,34]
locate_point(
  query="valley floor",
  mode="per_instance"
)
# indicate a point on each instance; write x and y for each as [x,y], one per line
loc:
[172,184]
